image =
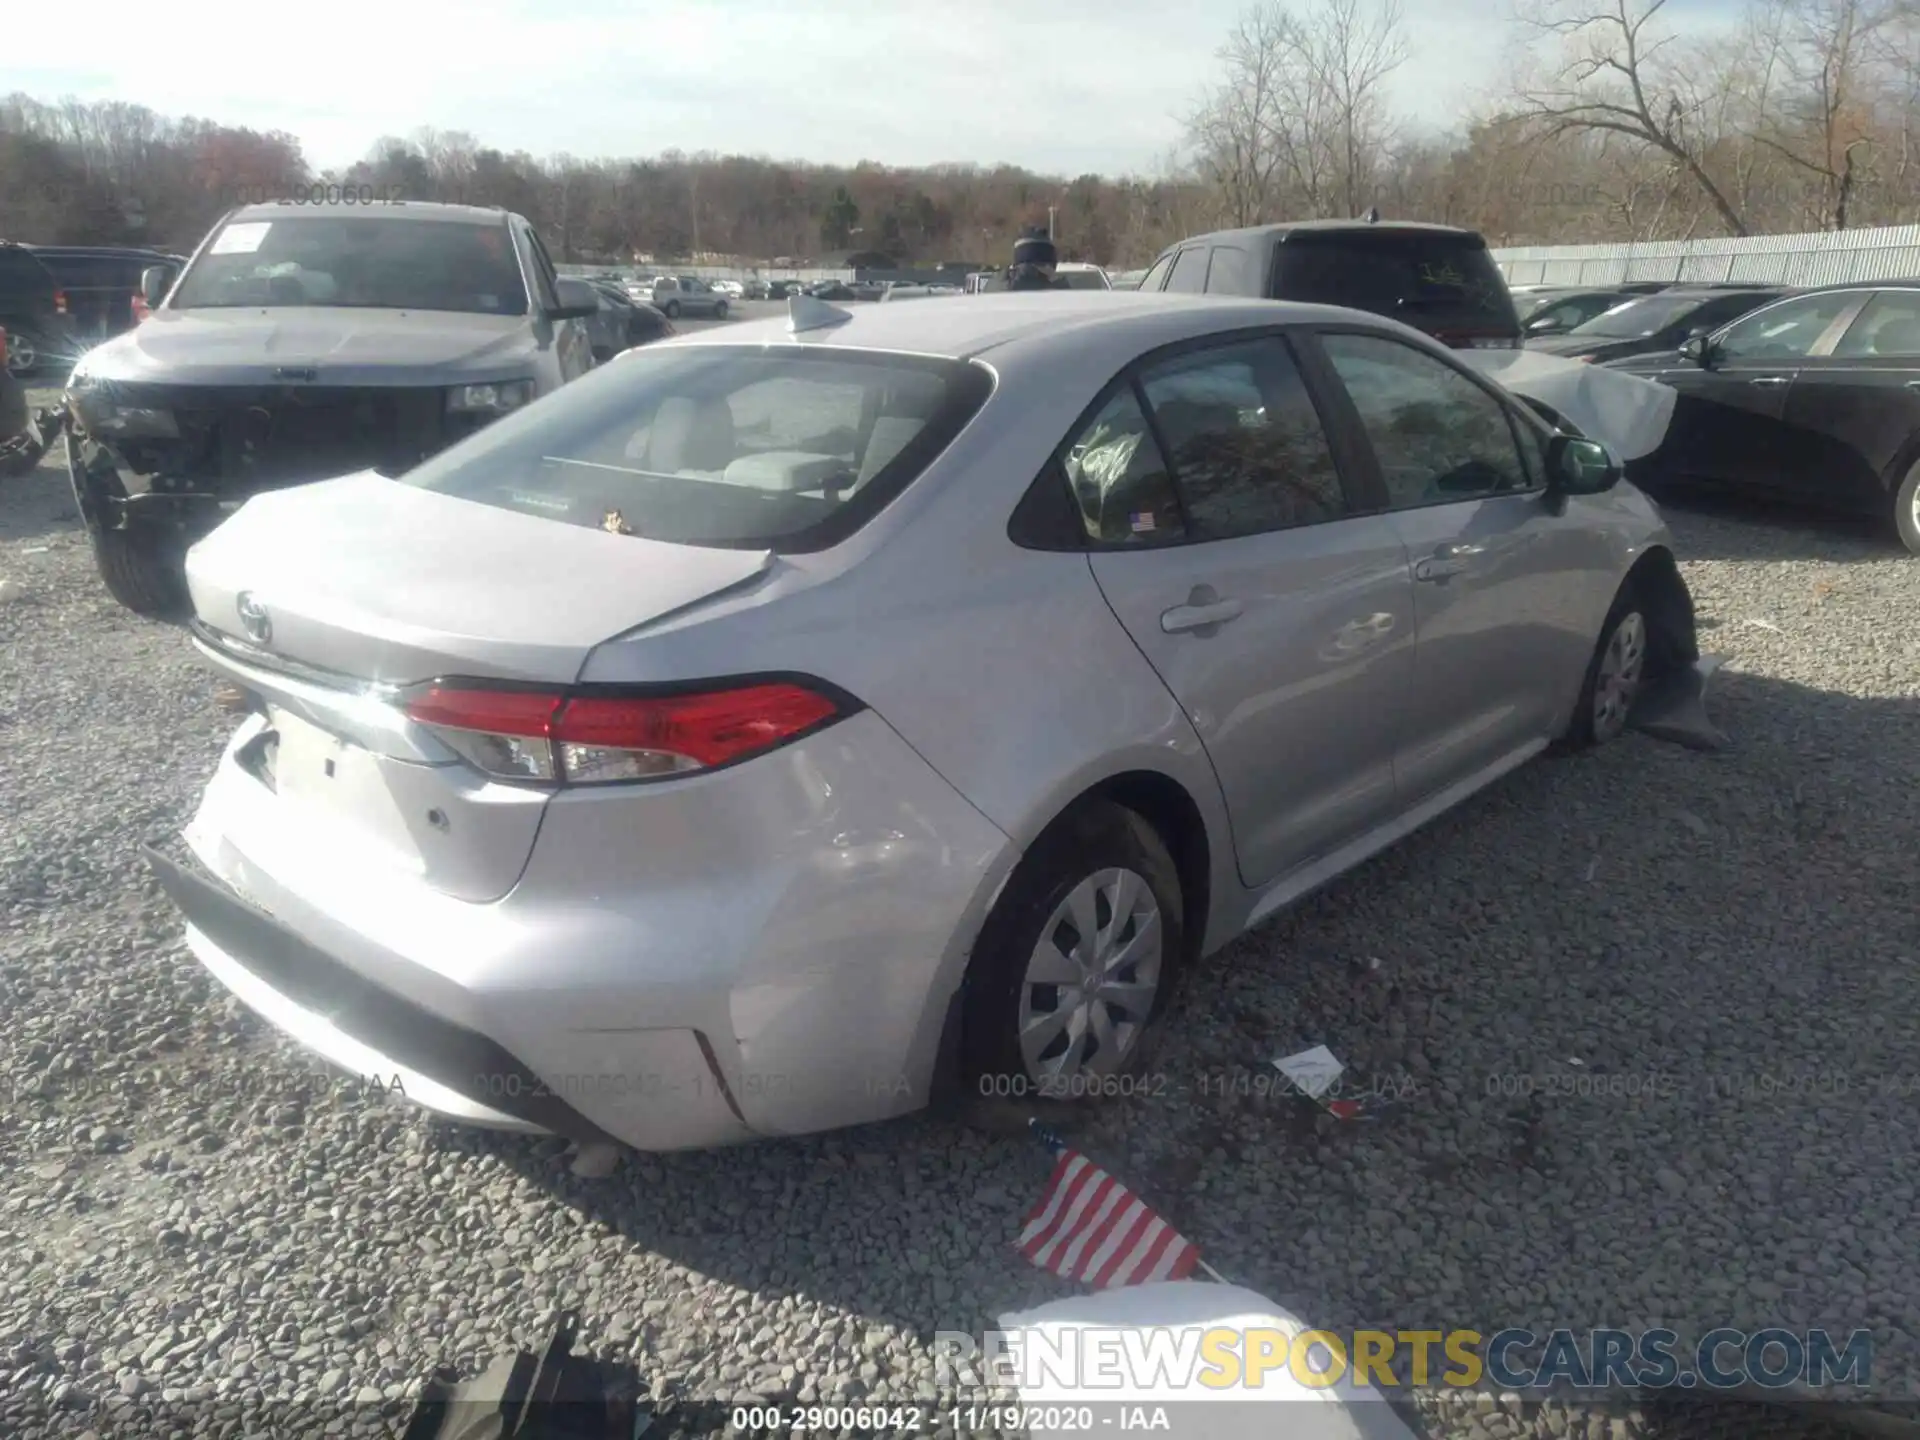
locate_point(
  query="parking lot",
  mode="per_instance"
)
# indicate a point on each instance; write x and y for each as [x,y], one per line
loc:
[1648,1013]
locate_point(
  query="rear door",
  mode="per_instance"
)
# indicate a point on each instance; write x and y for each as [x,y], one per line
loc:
[1275,608]
[1853,413]
[1501,611]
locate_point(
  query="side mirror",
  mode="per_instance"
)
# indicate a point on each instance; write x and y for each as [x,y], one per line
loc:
[1699,349]
[577,301]
[1580,467]
[155,281]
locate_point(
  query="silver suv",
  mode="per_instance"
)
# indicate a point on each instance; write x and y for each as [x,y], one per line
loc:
[681,295]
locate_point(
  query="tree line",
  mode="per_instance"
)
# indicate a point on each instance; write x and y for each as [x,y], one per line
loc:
[1609,125]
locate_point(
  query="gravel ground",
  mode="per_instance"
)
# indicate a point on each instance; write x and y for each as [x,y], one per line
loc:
[199,1226]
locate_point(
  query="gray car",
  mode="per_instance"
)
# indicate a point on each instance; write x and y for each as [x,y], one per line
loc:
[303,342]
[787,725]
[677,295]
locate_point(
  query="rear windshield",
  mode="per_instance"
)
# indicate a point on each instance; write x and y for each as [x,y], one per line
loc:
[1637,319]
[732,446]
[1428,281]
[359,261]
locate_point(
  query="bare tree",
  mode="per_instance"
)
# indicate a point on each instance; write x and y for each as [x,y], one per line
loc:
[1826,126]
[1618,75]
[1298,119]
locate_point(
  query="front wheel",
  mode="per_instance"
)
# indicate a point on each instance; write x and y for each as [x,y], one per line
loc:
[142,570]
[720,311]
[1906,509]
[1615,676]
[671,309]
[1075,962]
[23,353]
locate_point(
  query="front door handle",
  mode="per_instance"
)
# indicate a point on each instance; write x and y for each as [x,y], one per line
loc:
[1441,567]
[1203,609]
[1768,380]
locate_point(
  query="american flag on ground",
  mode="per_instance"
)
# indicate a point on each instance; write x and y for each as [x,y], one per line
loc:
[1090,1227]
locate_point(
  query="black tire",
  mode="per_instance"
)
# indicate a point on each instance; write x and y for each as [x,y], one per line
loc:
[1589,728]
[1093,837]
[142,570]
[671,309]
[25,353]
[1906,509]
[720,311]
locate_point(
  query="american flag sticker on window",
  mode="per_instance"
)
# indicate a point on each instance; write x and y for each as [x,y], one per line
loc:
[1142,520]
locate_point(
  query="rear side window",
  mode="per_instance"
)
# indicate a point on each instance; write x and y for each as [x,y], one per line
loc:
[734,447]
[1246,445]
[1119,477]
[1189,271]
[1432,282]
[1229,274]
[1890,325]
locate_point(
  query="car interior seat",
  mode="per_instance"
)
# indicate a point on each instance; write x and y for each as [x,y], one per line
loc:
[1899,336]
[691,436]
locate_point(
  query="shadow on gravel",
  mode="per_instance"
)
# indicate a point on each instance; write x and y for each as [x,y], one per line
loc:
[1717,929]
[1773,529]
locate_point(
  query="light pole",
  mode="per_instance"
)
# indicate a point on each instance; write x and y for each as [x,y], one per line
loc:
[1050,222]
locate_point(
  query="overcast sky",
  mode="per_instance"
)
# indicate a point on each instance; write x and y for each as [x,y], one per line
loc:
[1061,86]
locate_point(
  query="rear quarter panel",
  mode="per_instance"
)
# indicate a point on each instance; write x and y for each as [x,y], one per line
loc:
[1002,667]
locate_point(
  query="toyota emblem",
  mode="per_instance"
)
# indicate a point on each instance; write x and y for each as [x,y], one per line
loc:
[254,618]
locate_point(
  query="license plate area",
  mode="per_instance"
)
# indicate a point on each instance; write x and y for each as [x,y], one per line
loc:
[336,785]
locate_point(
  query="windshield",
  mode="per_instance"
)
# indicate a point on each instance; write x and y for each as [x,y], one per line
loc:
[1637,319]
[720,445]
[357,261]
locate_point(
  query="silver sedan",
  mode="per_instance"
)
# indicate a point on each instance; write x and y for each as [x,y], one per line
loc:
[785,726]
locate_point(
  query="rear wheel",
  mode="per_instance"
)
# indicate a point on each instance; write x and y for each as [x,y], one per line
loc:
[1615,675]
[720,311]
[1906,509]
[142,570]
[671,309]
[1075,962]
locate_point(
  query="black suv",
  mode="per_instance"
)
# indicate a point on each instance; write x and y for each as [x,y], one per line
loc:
[33,311]
[100,283]
[1432,277]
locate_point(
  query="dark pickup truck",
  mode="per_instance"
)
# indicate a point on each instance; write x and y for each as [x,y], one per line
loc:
[301,343]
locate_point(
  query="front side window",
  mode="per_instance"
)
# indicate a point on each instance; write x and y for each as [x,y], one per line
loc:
[1157,276]
[357,261]
[1189,271]
[1437,435]
[1787,331]
[725,446]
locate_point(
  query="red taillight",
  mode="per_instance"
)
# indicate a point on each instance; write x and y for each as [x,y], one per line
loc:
[59,302]
[141,310]
[601,739]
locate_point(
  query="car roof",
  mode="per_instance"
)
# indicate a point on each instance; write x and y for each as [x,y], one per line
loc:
[1029,320]
[388,209]
[1321,227]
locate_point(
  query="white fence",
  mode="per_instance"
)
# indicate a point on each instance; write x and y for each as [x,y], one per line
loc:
[1822,258]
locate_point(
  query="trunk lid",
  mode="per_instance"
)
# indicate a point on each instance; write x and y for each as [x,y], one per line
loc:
[386,582]
[365,579]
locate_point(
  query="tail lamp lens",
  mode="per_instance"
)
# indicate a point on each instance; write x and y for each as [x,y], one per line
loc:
[600,739]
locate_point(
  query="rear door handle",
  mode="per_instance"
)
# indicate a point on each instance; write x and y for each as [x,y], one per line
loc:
[1768,380]
[1198,617]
